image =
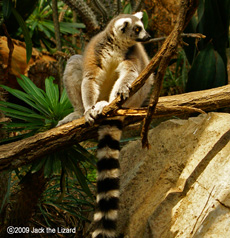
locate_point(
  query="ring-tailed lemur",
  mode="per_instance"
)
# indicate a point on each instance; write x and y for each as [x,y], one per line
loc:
[111,62]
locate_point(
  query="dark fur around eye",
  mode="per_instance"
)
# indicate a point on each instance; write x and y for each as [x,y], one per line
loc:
[124,27]
[137,29]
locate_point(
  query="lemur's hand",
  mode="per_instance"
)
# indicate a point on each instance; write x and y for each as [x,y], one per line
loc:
[92,113]
[123,91]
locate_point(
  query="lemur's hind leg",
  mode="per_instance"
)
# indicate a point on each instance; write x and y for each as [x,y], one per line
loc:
[72,81]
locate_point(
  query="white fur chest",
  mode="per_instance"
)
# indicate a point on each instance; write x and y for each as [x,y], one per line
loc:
[109,74]
[111,57]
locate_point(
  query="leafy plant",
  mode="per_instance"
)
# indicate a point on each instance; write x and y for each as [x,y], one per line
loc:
[41,27]
[71,210]
[7,10]
[208,58]
[42,111]
[176,75]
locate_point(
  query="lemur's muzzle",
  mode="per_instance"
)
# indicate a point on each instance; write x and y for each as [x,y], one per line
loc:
[146,37]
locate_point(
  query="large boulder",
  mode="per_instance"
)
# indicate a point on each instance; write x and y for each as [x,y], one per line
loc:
[180,187]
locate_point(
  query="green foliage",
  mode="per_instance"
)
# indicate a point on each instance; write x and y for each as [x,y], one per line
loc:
[44,108]
[208,70]
[7,10]
[68,194]
[208,58]
[26,35]
[41,27]
[72,161]
[127,9]
[176,75]
[43,111]
[70,212]
[145,19]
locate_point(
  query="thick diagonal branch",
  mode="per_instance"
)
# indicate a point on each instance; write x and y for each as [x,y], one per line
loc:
[184,16]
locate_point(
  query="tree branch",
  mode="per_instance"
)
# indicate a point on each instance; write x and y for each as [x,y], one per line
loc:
[188,35]
[25,151]
[86,13]
[58,42]
[171,43]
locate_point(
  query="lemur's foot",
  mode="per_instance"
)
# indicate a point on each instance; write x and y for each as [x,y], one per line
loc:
[72,116]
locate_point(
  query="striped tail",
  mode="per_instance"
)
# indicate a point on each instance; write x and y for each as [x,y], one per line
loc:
[108,167]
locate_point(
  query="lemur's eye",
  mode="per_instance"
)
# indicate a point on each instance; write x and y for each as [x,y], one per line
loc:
[137,29]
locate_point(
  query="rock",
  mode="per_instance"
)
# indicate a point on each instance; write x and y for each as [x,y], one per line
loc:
[181,186]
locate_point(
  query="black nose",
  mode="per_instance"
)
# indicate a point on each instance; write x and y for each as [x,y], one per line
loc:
[147,37]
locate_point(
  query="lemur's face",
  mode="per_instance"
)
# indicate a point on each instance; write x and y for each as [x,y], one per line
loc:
[130,28]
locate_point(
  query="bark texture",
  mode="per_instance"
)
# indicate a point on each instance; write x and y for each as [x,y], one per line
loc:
[25,151]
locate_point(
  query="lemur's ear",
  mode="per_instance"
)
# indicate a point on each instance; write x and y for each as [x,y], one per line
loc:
[122,24]
[139,15]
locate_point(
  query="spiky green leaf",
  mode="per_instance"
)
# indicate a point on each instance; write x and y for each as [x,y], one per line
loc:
[25,32]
